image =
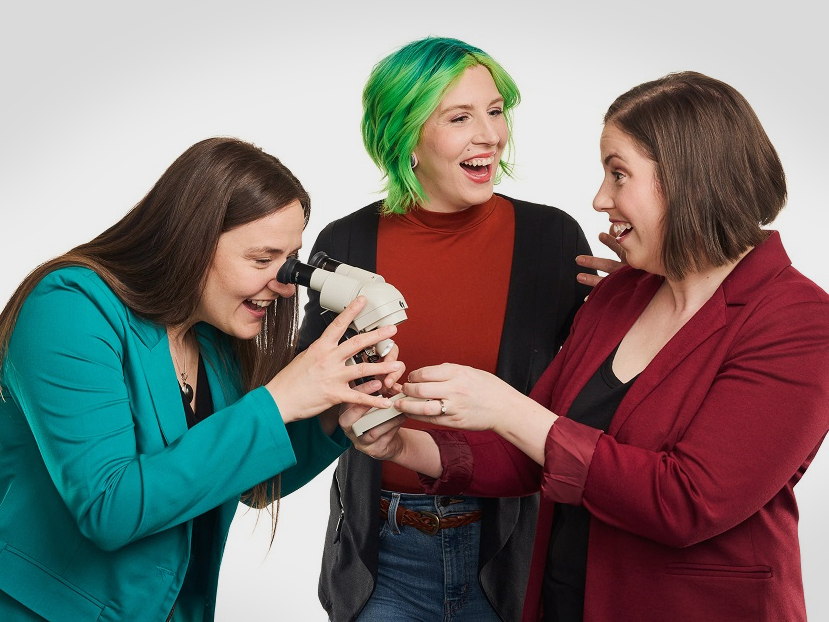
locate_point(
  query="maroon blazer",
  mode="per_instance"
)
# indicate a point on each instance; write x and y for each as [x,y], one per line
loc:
[691,491]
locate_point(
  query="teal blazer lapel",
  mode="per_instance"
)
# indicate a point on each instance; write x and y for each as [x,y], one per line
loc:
[224,389]
[160,375]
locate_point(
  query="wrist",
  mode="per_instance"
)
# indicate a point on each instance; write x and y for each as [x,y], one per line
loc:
[401,448]
[528,428]
[518,408]
[419,452]
[286,409]
[329,420]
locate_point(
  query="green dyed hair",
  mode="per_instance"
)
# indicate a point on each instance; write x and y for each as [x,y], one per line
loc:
[402,92]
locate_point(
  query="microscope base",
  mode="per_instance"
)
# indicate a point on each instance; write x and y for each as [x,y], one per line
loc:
[376,416]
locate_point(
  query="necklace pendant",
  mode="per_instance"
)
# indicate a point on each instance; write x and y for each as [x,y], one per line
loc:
[187,391]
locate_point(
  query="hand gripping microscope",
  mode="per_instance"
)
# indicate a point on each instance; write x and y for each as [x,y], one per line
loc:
[338,285]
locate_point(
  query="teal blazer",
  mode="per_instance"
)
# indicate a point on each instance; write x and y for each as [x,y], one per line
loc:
[100,477]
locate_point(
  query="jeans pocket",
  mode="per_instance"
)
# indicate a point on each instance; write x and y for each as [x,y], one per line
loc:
[384,530]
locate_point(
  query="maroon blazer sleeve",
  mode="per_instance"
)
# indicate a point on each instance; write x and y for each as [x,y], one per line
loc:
[481,464]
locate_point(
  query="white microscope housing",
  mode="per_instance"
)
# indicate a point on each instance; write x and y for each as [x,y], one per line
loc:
[339,284]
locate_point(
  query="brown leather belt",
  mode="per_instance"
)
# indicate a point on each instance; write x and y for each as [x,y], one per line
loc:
[428,522]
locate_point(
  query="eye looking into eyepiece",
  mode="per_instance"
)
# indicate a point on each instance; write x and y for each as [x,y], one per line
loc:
[296,272]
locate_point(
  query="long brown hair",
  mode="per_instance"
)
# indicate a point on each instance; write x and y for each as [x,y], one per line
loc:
[156,258]
[719,174]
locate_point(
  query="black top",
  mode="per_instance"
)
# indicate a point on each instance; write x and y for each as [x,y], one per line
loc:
[204,401]
[193,591]
[566,569]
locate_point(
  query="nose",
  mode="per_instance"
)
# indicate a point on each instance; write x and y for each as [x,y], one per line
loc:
[487,131]
[282,289]
[602,201]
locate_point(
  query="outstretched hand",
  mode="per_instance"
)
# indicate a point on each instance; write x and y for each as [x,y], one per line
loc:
[318,378]
[600,264]
[458,397]
[466,398]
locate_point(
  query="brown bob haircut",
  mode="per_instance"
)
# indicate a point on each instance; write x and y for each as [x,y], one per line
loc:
[718,173]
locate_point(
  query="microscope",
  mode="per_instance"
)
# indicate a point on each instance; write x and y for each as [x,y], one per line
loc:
[338,285]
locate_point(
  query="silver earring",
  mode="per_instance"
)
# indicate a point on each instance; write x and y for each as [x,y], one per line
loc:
[413,160]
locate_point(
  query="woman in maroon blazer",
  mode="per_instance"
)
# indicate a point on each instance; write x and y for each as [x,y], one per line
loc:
[692,394]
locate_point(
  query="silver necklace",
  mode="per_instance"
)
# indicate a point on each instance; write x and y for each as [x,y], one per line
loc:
[186,389]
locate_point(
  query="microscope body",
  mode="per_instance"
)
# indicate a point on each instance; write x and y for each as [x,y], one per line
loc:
[385,305]
[338,285]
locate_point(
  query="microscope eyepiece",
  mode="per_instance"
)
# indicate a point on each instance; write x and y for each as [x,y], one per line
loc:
[296,272]
[321,260]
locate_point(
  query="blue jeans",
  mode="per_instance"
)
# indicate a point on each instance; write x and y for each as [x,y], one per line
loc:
[428,578]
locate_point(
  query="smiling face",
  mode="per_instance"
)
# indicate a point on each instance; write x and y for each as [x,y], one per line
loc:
[461,144]
[241,281]
[630,197]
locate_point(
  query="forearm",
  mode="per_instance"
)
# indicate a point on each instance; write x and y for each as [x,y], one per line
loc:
[527,426]
[225,454]
[419,452]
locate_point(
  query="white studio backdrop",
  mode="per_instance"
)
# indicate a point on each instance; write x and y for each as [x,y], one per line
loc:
[98,98]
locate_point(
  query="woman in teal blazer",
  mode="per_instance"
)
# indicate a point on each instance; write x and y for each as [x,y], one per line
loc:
[146,385]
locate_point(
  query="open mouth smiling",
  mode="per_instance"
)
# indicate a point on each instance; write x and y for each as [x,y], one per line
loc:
[258,305]
[620,229]
[479,169]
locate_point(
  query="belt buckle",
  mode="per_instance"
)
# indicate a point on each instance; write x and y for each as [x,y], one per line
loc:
[434,517]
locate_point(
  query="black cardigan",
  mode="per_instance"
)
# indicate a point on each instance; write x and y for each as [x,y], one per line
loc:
[543,299]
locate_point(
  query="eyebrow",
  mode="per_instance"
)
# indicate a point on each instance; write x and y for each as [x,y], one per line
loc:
[260,250]
[497,100]
[610,157]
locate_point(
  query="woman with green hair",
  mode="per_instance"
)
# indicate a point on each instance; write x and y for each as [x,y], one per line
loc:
[488,280]
[402,93]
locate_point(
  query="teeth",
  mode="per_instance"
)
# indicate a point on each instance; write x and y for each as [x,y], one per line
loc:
[618,228]
[261,303]
[479,161]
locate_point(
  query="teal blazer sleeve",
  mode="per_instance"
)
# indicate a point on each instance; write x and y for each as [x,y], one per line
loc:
[314,449]
[99,475]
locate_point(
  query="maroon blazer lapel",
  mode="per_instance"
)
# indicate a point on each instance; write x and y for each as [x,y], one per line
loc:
[710,319]
[604,329]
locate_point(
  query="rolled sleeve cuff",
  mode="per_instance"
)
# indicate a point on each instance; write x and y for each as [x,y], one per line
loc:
[457,462]
[338,438]
[568,453]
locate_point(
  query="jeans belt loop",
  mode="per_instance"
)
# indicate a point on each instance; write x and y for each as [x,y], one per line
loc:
[393,511]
